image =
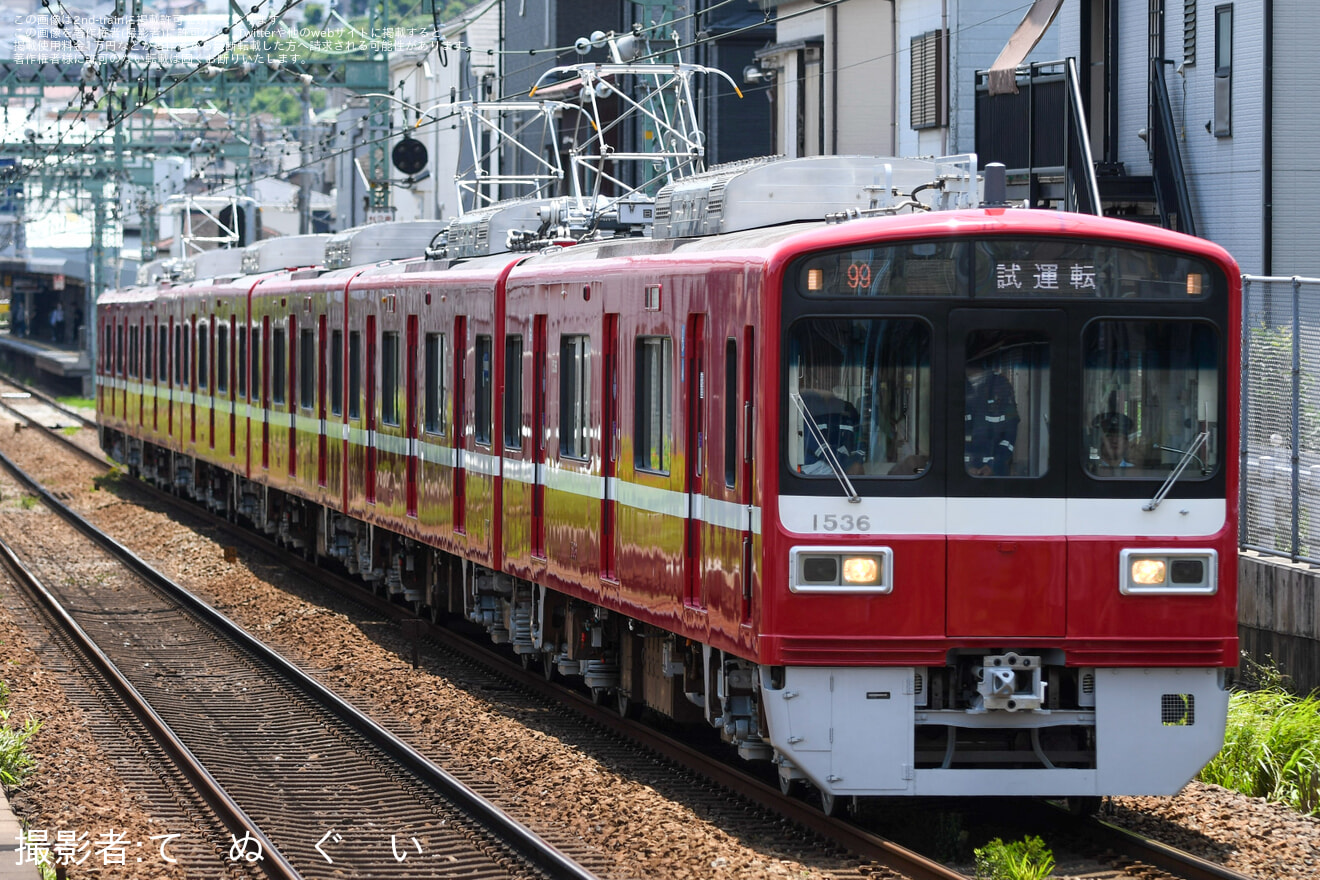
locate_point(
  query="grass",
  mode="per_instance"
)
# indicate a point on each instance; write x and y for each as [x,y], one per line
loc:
[1027,859]
[1271,748]
[15,762]
[78,402]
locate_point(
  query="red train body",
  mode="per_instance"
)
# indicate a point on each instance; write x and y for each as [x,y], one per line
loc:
[928,504]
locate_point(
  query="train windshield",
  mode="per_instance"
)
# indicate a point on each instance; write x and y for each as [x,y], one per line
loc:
[1150,390]
[865,385]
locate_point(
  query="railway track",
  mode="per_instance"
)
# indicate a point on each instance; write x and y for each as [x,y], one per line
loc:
[265,746]
[1132,851]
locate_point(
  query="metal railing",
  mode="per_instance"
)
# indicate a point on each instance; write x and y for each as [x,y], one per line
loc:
[1280,419]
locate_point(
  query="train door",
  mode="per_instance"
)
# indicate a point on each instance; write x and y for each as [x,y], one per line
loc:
[370,413]
[741,465]
[265,392]
[538,435]
[693,379]
[233,386]
[460,424]
[173,372]
[322,342]
[139,352]
[190,375]
[291,392]
[1005,473]
[609,420]
[410,410]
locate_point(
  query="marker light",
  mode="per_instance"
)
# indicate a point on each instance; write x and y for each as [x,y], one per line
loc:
[815,280]
[1194,284]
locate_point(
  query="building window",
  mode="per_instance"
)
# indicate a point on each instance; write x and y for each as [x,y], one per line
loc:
[481,412]
[434,398]
[389,378]
[1189,32]
[574,396]
[929,104]
[1223,71]
[307,369]
[513,357]
[654,408]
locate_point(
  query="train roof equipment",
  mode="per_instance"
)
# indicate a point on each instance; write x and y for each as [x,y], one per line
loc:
[285,252]
[771,191]
[381,241]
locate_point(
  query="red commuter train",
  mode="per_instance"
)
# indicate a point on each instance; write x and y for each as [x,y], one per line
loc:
[909,501]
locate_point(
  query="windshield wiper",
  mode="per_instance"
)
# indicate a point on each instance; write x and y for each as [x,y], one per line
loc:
[825,451]
[1178,469]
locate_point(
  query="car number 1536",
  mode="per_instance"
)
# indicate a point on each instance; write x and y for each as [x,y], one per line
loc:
[831,522]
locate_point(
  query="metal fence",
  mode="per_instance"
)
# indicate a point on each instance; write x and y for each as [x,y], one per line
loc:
[1280,502]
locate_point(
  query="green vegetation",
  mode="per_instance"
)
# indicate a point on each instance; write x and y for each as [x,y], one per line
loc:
[1272,745]
[77,402]
[284,103]
[15,762]
[1027,859]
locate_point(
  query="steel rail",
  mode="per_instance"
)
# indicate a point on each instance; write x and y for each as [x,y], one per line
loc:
[536,851]
[226,808]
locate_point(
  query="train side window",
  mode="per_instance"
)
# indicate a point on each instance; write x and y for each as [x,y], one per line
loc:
[278,366]
[241,354]
[188,378]
[513,402]
[337,372]
[355,374]
[574,396]
[654,404]
[730,412]
[1006,418]
[134,340]
[222,360]
[389,378]
[307,369]
[163,353]
[119,349]
[482,388]
[434,398]
[203,350]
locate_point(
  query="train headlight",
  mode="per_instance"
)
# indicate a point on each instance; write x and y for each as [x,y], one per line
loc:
[861,570]
[831,570]
[1166,572]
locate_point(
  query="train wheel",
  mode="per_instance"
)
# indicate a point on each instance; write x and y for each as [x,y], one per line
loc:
[526,660]
[830,804]
[598,695]
[790,787]
[548,666]
[1082,806]
[434,612]
[628,707]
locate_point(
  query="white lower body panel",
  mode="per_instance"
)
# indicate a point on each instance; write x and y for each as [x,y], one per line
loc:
[850,731]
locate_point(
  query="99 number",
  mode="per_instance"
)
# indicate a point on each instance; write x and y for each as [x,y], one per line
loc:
[859,275]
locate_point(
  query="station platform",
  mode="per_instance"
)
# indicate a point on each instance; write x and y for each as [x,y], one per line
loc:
[67,366]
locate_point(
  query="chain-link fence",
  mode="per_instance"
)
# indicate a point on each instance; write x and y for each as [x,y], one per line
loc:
[1280,503]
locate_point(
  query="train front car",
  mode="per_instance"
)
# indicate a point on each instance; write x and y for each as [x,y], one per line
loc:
[1000,554]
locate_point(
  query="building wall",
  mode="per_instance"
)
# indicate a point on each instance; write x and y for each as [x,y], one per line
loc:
[860,116]
[1296,133]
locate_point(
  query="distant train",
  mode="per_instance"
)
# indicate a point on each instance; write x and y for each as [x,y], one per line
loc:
[907,494]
